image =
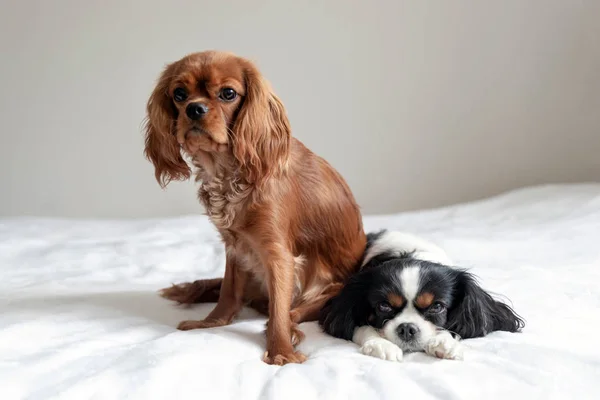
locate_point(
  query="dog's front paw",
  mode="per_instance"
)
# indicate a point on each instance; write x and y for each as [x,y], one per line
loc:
[282,359]
[297,335]
[382,348]
[445,346]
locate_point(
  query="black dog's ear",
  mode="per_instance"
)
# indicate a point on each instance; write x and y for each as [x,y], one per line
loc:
[349,309]
[475,313]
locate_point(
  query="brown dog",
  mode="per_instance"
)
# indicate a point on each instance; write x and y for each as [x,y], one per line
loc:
[291,227]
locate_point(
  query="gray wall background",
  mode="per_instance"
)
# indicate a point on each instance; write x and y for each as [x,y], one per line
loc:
[417,103]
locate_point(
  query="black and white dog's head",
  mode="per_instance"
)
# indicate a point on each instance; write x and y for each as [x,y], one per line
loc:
[407,290]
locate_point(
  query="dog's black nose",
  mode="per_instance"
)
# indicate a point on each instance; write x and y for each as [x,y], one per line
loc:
[407,331]
[195,111]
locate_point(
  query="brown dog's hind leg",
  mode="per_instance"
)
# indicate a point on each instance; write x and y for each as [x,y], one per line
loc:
[307,309]
[200,291]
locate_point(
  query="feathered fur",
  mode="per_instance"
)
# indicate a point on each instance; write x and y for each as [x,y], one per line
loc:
[291,227]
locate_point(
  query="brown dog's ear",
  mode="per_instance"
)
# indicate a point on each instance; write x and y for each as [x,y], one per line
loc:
[161,144]
[261,133]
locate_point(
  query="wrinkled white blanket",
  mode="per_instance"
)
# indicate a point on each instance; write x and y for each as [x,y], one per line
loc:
[80,317]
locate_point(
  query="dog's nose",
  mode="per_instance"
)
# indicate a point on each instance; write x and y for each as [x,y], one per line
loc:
[407,331]
[195,111]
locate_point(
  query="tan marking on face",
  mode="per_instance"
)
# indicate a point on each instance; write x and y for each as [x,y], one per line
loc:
[396,300]
[203,76]
[424,300]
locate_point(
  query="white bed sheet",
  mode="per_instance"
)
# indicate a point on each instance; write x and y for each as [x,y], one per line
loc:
[80,318]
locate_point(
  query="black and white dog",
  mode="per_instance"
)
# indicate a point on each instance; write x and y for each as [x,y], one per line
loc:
[407,297]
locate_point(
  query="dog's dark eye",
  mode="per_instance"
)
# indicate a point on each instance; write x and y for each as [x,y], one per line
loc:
[384,307]
[180,94]
[436,308]
[227,94]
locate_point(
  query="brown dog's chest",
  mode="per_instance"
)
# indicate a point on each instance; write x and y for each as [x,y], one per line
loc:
[224,199]
[248,260]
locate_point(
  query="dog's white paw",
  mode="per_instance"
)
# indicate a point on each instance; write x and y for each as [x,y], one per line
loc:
[382,348]
[444,346]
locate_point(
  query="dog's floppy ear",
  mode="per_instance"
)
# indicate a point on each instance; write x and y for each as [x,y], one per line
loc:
[262,133]
[475,313]
[349,309]
[161,145]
